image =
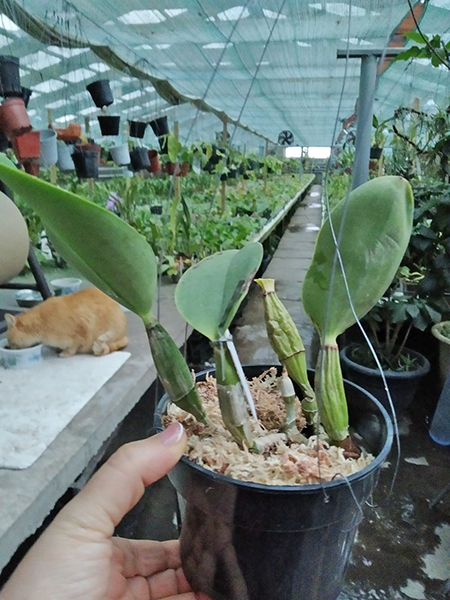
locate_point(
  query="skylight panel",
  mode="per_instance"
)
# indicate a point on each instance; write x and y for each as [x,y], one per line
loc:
[99,67]
[81,95]
[31,113]
[4,40]
[270,14]
[65,118]
[162,46]
[89,110]
[67,52]
[142,17]
[175,12]
[339,8]
[77,75]
[357,41]
[150,89]
[303,44]
[132,95]
[264,63]
[7,24]
[169,64]
[440,4]
[218,45]
[57,104]
[223,63]
[51,85]
[39,60]
[144,47]
[234,13]
[126,79]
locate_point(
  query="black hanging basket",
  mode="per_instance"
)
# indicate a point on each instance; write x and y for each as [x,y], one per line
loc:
[10,77]
[109,125]
[375,153]
[139,159]
[137,129]
[26,95]
[86,163]
[101,93]
[160,126]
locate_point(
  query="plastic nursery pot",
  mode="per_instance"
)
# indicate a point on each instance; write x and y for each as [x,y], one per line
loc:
[375,153]
[444,349]
[72,133]
[243,540]
[120,154]
[100,92]
[137,129]
[155,165]
[65,161]
[160,126]
[66,285]
[4,142]
[172,168]
[86,163]
[26,95]
[185,168]
[24,358]
[49,148]
[27,146]
[139,159]
[402,384]
[31,167]
[109,125]
[14,119]
[10,77]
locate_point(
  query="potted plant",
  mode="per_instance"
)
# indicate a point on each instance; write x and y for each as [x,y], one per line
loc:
[139,158]
[27,146]
[14,119]
[49,148]
[160,126]
[100,92]
[137,129]
[120,154]
[441,332]
[240,539]
[10,77]
[71,134]
[155,165]
[86,162]
[109,125]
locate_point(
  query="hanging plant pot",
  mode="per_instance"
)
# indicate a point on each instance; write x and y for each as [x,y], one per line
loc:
[86,163]
[375,153]
[14,119]
[49,148]
[27,146]
[65,161]
[94,148]
[139,159]
[155,165]
[137,129]
[31,167]
[10,77]
[160,126]
[100,92]
[172,168]
[109,125]
[232,173]
[71,133]
[120,155]
[26,95]
[264,542]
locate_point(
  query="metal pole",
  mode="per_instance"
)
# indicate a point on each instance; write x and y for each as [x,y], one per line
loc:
[367,85]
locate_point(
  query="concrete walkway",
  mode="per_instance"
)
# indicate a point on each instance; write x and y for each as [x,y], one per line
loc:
[288,267]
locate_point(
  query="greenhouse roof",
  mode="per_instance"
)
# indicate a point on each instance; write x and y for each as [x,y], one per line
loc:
[271,65]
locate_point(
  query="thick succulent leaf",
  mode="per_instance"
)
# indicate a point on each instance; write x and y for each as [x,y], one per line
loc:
[376,232]
[210,293]
[104,249]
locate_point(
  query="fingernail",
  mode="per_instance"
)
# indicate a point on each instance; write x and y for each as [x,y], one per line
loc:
[172,435]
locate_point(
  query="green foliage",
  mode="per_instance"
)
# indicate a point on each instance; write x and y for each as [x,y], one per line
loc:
[433,48]
[210,293]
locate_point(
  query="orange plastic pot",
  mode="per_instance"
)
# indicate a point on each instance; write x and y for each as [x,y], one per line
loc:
[155,165]
[31,167]
[172,168]
[14,119]
[27,146]
[72,133]
[185,168]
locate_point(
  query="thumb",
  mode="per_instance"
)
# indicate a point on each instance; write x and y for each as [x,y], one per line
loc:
[120,483]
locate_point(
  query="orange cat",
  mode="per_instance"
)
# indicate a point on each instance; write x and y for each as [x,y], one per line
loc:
[83,322]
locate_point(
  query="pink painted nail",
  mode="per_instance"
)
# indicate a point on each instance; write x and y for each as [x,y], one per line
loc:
[172,435]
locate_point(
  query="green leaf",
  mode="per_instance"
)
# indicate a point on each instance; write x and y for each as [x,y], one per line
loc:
[174,147]
[416,37]
[371,250]
[209,294]
[412,52]
[105,249]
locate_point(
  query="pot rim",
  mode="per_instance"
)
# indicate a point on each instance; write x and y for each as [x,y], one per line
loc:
[20,351]
[286,489]
[435,330]
[420,371]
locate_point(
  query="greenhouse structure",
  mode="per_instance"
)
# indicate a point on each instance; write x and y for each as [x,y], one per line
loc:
[225,300]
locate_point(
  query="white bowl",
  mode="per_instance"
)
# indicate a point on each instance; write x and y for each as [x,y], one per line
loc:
[27,298]
[25,358]
[66,285]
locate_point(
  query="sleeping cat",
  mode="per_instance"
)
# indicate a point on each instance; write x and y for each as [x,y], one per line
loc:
[83,322]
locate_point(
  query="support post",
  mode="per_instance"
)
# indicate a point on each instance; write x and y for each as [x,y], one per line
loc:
[87,125]
[223,191]
[266,152]
[177,185]
[49,117]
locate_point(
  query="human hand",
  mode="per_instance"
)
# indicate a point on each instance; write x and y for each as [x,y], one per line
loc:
[77,557]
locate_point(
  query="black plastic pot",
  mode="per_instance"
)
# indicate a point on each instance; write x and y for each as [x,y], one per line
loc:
[86,164]
[139,159]
[233,173]
[10,77]
[26,95]
[137,129]
[160,126]
[4,142]
[109,125]
[156,210]
[246,541]
[402,384]
[101,92]
[375,153]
